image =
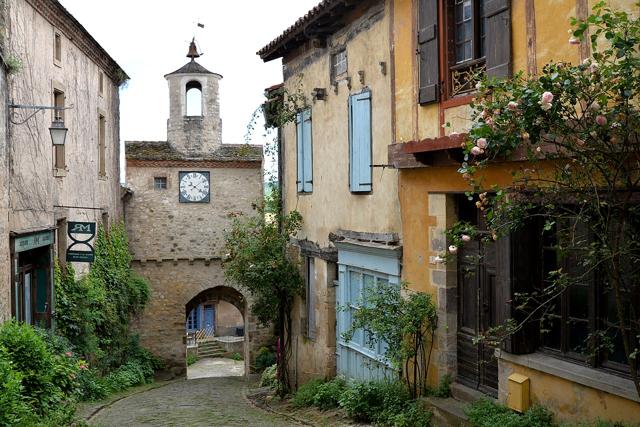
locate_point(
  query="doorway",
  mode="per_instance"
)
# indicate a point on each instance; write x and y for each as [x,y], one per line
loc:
[32,288]
[477,365]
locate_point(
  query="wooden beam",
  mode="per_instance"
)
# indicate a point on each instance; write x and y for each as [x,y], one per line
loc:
[582,12]
[530,17]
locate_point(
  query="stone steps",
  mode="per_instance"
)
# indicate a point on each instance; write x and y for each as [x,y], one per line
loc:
[209,349]
[450,411]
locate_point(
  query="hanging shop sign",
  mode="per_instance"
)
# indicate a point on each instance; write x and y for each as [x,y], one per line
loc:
[81,234]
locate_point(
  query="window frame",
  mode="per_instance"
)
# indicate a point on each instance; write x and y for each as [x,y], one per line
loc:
[57,48]
[448,63]
[310,299]
[304,186]
[158,183]
[365,95]
[59,154]
[333,64]
[102,146]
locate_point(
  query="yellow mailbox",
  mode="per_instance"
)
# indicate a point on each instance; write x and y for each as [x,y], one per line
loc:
[519,398]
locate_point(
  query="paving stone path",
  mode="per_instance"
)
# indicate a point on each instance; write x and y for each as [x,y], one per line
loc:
[198,402]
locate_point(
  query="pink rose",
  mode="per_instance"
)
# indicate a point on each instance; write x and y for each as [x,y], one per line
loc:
[465,238]
[601,120]
[482,143]
[574,40]
[476,151]
[453,249]
[512,105]
[466,176]
[68,354]
[595,106]
[547,97]
[83,366]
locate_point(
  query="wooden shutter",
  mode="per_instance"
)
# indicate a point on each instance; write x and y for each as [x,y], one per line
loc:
[360,142]
[307,150]
[428,51]
[498,37]
[299,153]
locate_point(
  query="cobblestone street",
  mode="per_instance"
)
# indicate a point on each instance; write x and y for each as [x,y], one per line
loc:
[198,402]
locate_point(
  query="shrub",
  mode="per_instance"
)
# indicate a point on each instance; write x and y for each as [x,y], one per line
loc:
[13,409]
[264,358]
[328,394]
[444,387]
[485,413]
[414,415]
[268,378]
[236,356]
[375,401]
[306,393]
[191,359]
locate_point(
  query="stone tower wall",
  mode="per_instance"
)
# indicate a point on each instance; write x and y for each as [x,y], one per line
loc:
[194,136]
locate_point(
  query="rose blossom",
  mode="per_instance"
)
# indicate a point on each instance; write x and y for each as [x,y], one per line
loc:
[68,354]
[512,105]
[453,249]
[574,40]
[601,120]
[547,97]
[539,149]
[466,176]
[476,151]
[482,143]
[595,106]
[465,238]
[545,106]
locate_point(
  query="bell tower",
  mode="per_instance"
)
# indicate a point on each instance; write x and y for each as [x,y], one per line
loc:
[194,127]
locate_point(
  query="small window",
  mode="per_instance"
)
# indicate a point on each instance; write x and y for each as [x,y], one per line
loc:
[338,65]
[310,280]
[160,183]
[304,151]
[194,99]
[102,146]
[101,83]
[58,150]
[57,48]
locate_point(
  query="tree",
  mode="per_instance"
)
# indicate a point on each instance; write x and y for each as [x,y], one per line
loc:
[258,260]
[578,127]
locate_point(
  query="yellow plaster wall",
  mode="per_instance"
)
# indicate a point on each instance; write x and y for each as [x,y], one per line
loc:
[571,401]
[332,206]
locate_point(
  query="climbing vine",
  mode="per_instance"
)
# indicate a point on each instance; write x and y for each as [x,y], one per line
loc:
[405,321]
[257,259]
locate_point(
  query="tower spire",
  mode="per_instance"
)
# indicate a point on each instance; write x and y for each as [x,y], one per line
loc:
[193,50]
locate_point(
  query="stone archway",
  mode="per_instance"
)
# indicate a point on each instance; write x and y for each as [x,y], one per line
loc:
[173,286]
[211,298]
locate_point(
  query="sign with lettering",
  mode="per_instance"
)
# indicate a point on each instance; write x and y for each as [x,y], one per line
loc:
[81,234]
[32,241]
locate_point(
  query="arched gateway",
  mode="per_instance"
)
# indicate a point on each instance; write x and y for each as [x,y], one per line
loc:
[181,196]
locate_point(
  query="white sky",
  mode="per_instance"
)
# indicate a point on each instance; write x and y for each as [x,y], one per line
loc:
[150,38]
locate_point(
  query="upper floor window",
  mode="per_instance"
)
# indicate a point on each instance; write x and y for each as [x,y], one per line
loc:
[102,146]
[338,64]
[160,182]
[58,150]
[360,143]
[194,98]
[57,48]
[470,28]
[304,152]
[101,83]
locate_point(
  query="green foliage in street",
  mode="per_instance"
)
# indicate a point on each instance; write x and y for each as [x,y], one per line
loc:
[268,377]
[382,403]
[191,359]
[485,413]
[257,259]
[403,319]
[265,358]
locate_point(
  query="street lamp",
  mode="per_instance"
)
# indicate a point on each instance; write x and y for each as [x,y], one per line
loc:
[57,130]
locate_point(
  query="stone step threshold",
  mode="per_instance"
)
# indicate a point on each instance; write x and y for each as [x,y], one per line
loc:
[450,411]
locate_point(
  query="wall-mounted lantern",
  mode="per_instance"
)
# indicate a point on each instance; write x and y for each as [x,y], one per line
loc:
[57,130]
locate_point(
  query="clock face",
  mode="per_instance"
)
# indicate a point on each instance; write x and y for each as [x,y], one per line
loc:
[194,187]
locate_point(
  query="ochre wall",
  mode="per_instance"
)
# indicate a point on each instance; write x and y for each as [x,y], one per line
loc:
[421,222]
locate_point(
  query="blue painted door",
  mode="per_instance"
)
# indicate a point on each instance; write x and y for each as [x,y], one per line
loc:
[209,318]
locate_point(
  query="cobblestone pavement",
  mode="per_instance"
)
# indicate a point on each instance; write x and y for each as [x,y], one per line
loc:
[198,402]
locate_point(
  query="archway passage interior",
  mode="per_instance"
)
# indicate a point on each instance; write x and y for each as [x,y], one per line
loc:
[216,322]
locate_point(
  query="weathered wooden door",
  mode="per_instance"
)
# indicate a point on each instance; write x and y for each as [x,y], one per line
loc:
[477,308]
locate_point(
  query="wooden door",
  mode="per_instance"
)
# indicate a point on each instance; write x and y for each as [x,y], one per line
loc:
[477,366]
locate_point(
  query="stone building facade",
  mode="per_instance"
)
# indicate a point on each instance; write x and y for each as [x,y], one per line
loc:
[337,56]
[44,186]
[183,194]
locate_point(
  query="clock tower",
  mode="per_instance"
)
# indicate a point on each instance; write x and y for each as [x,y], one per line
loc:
[194,127]
[181,196]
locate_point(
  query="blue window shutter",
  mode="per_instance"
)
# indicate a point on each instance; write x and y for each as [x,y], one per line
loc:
[307,149]
[299,153]
[360,177]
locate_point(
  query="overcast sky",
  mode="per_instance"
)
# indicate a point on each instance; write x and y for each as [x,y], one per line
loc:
[149,38]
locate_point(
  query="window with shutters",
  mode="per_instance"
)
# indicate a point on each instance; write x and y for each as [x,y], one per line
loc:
[310,282]
[360,143]
[475,38]
[304,152]
[59,161]
[102,146]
